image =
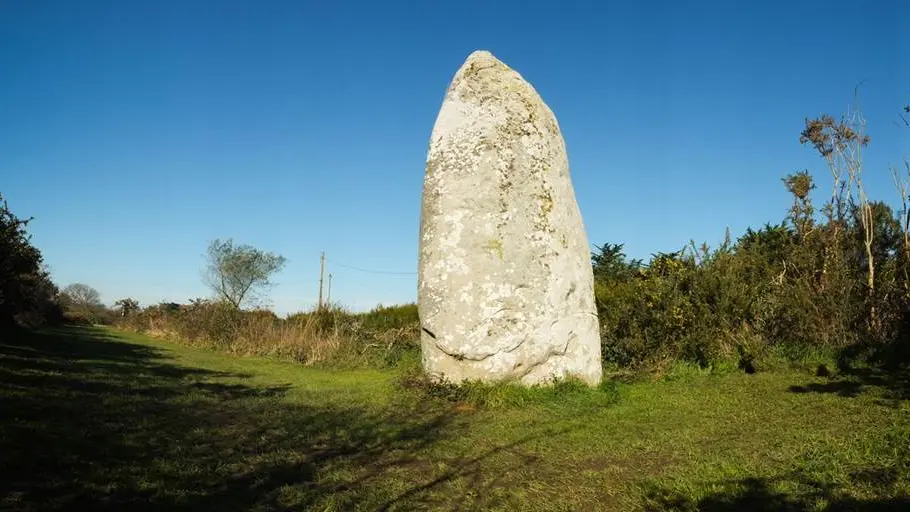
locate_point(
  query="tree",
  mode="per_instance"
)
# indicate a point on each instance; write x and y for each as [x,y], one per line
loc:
[799,185]
[81,296]
[28,297]
[610,263]
[236,273]
[840,143]
[902,183]
[127,306]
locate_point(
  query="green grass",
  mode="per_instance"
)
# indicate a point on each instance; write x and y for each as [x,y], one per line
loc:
[100,420]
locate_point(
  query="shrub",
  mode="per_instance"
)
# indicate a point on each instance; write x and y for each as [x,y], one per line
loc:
[28,297]
[777,291]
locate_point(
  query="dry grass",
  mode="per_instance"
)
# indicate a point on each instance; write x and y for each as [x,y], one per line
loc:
[328,337]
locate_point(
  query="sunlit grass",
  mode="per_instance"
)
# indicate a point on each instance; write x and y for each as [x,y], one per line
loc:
[101,420]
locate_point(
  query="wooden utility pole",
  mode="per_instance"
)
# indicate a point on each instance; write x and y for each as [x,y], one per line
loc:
[321,273]
[328,299]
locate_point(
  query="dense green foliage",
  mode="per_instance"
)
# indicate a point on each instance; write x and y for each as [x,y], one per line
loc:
[768,290]
[28,297]
[833,279]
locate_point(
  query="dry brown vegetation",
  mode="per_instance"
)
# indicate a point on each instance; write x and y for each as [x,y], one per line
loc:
[328,336]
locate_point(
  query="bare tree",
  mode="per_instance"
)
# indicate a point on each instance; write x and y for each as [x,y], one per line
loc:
[81,296]
[902,183]
[236,273]
[840,143]
[827,137]
[855,169]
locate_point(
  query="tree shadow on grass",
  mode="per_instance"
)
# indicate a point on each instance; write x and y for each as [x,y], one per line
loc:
[798,492]
[91,422]
[891,383]
[866,367]
[792,493]
[846,388]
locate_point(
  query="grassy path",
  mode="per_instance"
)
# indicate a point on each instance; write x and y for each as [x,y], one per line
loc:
[99,420]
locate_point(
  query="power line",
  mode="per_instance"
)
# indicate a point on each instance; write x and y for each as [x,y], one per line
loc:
[368,271]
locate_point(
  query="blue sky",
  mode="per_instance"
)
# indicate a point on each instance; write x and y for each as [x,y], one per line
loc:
[136,132]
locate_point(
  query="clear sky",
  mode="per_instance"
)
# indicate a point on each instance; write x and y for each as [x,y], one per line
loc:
[136,132]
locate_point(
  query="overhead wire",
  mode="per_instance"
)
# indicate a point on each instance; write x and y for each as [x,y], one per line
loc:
[369,271]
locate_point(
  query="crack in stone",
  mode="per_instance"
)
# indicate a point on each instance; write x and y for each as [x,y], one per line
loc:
[550,353]
[463,357]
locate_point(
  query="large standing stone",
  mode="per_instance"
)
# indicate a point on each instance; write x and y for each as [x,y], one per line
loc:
[505,285]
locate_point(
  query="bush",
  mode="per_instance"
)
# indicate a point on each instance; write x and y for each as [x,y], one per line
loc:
[28,297]
[772,293]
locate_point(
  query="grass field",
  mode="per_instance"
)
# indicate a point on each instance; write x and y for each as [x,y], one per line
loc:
[95,419]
